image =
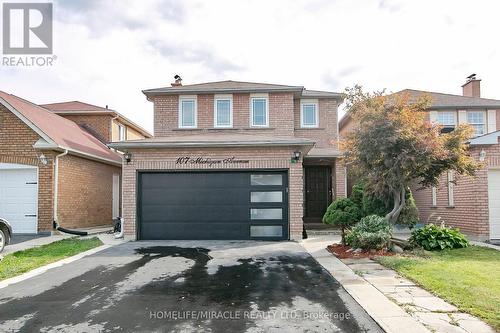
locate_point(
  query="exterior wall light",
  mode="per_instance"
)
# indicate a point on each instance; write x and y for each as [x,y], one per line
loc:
[128,157]
[43,159]
[296,156]
[482,155]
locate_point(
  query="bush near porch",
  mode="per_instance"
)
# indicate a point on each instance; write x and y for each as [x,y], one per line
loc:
[467,278]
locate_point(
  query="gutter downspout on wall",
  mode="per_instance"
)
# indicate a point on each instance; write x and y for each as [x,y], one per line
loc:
[56,184]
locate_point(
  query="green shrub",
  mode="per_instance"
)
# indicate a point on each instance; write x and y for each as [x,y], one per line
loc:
[372,232]
[357,194]
[409,214]
[432,237]
[374,206]
[342,213]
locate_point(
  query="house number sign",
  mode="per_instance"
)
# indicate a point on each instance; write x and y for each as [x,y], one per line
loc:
[209,160]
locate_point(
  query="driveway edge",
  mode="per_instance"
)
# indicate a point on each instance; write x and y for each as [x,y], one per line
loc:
[388,315]
[43,269]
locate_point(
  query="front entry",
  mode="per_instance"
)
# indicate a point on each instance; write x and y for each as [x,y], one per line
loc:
[318,192]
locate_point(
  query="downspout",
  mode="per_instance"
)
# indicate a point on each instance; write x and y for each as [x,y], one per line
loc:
[120,234]
[56,185]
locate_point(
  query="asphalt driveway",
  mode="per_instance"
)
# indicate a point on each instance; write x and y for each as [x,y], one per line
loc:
[185,286]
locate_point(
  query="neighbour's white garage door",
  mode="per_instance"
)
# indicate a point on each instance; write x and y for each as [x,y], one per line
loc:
[494,202]
[19,197]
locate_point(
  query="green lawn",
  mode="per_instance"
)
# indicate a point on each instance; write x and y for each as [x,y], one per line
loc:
[468,278]
[23,261]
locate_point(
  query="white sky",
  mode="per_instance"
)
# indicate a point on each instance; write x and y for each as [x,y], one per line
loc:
[108,51]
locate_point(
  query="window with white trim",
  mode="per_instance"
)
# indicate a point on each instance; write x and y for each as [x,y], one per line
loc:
[434,196]
[223,111]
[259,111]
[187,112]
[477,119]
[309,113]
[448,120]
[121,133]
[451,184]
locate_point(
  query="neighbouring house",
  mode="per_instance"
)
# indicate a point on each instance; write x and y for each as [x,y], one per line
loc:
[53,169]
[232,160]
[469,203]
[105,124]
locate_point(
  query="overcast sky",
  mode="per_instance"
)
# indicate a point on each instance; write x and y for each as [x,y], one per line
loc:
[108,51]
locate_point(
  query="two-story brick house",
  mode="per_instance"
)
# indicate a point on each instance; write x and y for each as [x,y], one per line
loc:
[232,160]
[469,203]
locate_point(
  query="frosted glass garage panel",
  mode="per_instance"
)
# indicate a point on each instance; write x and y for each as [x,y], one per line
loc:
[264,180]
[266,231]
[271,196]
[266,214]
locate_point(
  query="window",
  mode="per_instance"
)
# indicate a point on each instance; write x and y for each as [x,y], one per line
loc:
[266,180]
[309,113]
[434,196]
[276,196]
[223,111]
[447,120]
[266,231]
[477,120]
[187,112]
[259,111]
[266,213]
[121,133]
[451,184]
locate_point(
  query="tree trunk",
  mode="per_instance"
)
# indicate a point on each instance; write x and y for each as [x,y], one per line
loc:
[342,235]
[399,203]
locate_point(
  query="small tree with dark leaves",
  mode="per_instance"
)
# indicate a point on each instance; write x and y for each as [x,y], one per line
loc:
[342,213]
[394,146]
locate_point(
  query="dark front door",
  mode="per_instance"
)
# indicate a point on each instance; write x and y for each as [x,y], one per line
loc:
[318,185]
[213,205]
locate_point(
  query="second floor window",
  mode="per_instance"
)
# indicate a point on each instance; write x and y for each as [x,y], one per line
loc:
[447,120]
[187,112]
[223,111]
[477,120]
[259,113]
[309,114]
[121,133]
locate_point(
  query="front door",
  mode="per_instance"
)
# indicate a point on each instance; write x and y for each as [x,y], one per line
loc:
[318,185]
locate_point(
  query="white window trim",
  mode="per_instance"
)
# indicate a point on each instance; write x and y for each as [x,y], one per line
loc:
[223,97]
[120,129]
[454,118]
[309,102]
[434,196]
[451,199]
[484,123]
[259,96]
[188,98]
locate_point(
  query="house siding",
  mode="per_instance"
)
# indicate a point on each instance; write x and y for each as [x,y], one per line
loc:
[85,192]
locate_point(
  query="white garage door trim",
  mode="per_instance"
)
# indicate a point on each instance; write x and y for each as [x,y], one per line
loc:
[27,220]
[494,202]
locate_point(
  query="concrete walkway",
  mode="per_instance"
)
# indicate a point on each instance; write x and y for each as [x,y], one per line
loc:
[395,303]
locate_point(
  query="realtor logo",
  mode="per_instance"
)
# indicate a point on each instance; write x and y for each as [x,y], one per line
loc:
[27,28]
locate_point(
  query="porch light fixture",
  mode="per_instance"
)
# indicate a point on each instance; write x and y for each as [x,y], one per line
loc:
[128,157]
[43,159]
[296,156]
[482,155]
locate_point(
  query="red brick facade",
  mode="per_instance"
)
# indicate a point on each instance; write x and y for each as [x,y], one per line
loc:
[84,192]
[97,125]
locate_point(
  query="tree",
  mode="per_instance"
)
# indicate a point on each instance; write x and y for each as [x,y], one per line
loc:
[343,213]
[393,146]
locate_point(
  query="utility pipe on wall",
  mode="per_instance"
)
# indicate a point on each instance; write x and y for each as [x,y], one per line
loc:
[56,183]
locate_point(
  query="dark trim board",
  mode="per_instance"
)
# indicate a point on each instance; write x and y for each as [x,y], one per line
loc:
[211,212]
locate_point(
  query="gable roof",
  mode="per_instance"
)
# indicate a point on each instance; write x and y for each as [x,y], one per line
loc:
[81,108]
[57,132]
[447,101]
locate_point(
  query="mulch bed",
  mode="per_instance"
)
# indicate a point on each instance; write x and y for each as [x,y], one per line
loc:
[346,252]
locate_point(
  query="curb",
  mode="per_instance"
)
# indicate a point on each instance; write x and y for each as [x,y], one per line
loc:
[43,269]
[389,316]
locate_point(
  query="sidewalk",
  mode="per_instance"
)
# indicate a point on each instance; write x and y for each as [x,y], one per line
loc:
[395,303]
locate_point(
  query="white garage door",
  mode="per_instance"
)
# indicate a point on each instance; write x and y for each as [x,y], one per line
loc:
[494,202]
[19,197]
